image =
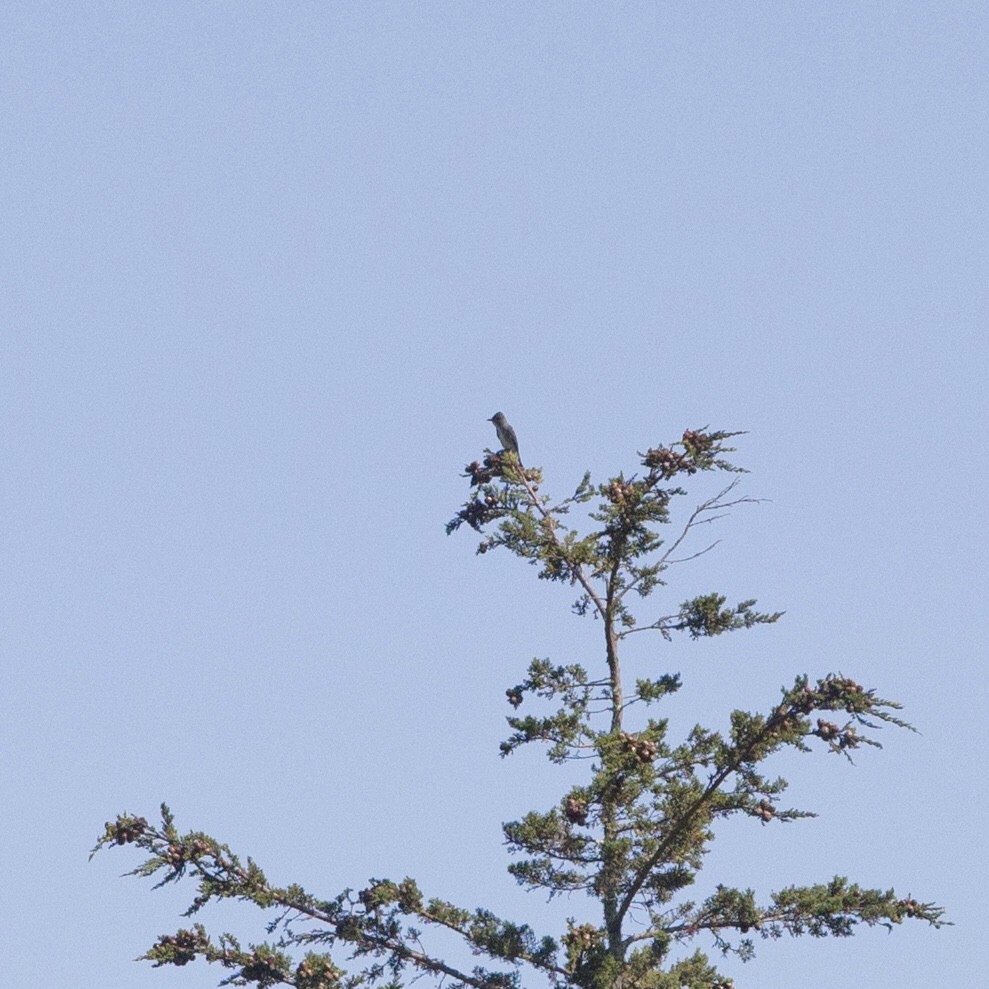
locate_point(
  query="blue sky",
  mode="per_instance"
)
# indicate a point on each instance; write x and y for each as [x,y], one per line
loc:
[268,268]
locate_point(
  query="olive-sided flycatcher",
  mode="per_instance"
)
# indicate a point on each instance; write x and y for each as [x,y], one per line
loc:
[506,435]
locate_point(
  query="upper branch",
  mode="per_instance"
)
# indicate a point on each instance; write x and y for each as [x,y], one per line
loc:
[753,739]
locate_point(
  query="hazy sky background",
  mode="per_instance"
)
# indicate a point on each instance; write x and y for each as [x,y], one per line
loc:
[266,270]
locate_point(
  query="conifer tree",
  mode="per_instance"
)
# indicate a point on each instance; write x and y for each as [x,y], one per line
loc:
[632,837]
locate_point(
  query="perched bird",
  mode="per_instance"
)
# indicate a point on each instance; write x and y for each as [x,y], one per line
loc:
[506,435]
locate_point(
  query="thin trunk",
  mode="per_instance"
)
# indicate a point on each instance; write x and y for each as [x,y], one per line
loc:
[613,866]
[615,673]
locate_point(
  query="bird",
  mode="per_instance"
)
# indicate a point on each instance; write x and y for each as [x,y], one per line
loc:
[506,435]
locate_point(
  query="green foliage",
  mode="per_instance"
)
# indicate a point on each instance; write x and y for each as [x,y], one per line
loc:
[376,927]
[633,835]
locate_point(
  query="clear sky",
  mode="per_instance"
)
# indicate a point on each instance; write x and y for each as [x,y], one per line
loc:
[266,270]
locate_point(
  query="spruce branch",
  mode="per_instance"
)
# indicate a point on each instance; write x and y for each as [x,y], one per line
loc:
[367,925]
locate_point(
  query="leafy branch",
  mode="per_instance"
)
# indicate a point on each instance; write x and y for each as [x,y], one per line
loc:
[367,925]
